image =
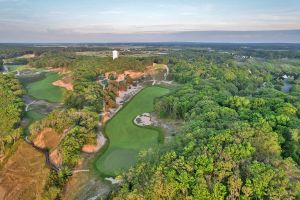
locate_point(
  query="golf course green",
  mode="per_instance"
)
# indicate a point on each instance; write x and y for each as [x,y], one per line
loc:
[34,115]
[44,90]
[126,139]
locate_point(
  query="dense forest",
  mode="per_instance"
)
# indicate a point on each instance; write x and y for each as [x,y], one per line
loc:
[240,139]
[11,109]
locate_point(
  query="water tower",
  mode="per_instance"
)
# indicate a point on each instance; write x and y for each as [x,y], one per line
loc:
[115,54]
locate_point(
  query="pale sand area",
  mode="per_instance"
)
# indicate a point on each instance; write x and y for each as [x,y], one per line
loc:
[63,84]
[93,148]
[143,120]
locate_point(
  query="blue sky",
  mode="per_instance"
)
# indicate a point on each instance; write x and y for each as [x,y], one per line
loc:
[79,20]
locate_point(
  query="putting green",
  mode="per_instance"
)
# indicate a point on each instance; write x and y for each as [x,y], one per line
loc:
[126,139]
[43,89]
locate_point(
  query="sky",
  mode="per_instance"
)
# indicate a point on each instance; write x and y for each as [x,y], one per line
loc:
[149,20]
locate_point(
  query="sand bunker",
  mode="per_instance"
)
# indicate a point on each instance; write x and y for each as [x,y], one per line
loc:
[134,74]
[127,94]
[124,96]
[60,70]
[120,77]
[56,158]
[143,120]
[105,116]
[92,148]
[113,180]
[62,83]
[155,68]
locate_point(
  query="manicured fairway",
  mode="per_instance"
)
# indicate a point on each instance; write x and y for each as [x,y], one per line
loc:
[127,139]
[43,89]
[34,115]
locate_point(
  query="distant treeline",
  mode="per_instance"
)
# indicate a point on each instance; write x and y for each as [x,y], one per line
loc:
[255,50]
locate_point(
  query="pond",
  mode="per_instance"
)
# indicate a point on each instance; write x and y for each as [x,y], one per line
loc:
[287,86]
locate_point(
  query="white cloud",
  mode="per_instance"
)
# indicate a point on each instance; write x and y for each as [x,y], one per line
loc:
[110,12]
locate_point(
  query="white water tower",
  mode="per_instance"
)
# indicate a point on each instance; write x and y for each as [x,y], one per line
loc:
[115,54]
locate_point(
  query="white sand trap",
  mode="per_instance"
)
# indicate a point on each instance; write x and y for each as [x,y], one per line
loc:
[127,94]
[143,120]
[92,148]
[112,180]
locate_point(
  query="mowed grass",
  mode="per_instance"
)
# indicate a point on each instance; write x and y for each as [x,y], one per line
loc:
[126,139]
[43,89]
[34,115]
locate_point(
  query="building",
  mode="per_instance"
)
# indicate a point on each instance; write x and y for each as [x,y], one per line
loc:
[115,54]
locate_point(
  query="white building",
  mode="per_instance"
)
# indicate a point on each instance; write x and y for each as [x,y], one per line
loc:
[115,54]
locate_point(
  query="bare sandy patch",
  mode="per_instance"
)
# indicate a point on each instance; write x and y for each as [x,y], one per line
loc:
[92,148]
[155,68]
[143,120]
[27,56]
[47,138]
[107,74]
[60,70]
[56,158]
[105,117]
[63,84]
[134,74]
[121,76]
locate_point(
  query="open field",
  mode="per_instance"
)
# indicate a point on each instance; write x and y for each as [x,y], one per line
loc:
[24,175]
[127,139]
[43,89]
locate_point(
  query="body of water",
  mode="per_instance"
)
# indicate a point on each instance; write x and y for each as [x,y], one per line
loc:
[286,87]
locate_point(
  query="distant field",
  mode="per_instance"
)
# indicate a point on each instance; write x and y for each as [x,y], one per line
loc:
[127,139]
[43,89]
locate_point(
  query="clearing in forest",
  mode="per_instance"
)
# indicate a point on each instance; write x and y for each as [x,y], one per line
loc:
[126,139]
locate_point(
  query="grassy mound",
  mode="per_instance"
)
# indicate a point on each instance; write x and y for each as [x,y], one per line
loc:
[43,89]
[127,139]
